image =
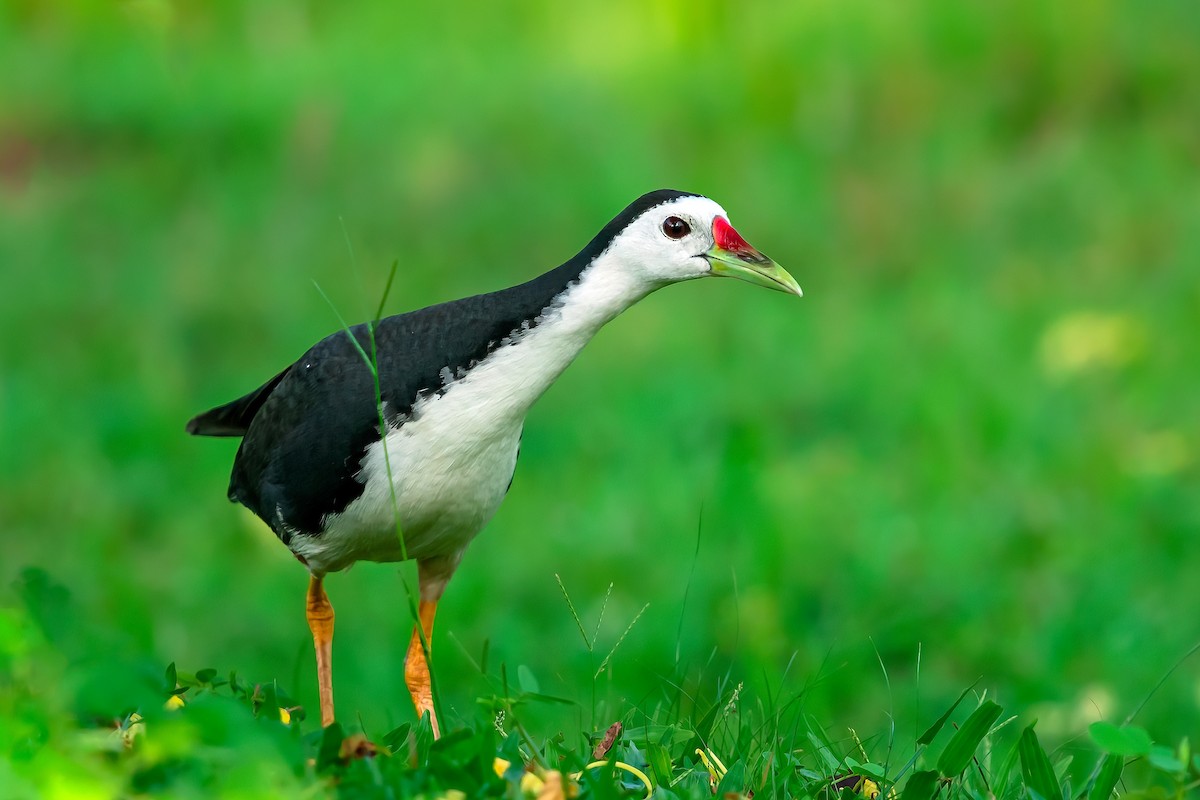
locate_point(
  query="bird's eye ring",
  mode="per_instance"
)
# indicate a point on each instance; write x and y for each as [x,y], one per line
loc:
[675,228]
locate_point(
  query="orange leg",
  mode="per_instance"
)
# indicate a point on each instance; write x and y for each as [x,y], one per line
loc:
[320,622]
[416,663]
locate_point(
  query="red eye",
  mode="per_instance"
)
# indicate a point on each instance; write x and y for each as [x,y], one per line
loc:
[675,228]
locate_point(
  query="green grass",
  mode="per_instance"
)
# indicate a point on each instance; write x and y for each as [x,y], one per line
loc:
[971,447]
[134,732]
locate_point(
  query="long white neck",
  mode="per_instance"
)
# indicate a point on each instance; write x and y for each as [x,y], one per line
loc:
[517,373]
[602,292]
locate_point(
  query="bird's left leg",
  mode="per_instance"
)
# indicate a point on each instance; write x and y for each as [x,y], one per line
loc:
[432,575]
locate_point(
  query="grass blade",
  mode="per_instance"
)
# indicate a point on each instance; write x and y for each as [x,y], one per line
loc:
[1106,781]
[600,616]
[929,735]
[825,751]
[1036,768]
[574,613]
[607,658]
[1000,780]
[688,586]
[370,362]
[387,289]
[961,748]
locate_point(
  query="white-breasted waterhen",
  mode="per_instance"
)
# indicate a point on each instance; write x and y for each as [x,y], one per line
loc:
[456,381]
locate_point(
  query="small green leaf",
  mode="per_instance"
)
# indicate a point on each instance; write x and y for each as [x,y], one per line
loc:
[1106,780]
[526,681]
[1125,740]
[961,748]
[171,677]
[875,772]
[396,740]
[734,780]
[510,751]
[1035,767]
[921,785]
[936,727]
[329,753]
[424,738]
[206,675]
[452,741]
[1163,758]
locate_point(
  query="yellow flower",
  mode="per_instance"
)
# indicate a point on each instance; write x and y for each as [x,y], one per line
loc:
[530,783]
[716,770]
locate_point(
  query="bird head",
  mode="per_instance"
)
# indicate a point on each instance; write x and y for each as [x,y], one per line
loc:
[670,236]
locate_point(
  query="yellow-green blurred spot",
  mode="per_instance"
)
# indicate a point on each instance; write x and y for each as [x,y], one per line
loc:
[16,633]
[1090,340]
[154,14]
[530,783]
[64,786]
[1160,453]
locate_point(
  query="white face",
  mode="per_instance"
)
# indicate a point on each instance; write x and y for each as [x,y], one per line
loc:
[661,250]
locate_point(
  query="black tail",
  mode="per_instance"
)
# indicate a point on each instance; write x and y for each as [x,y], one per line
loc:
[233,419]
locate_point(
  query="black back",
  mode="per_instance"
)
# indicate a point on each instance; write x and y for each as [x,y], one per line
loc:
[306,430]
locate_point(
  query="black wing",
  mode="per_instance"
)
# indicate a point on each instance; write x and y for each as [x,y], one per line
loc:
[298,460]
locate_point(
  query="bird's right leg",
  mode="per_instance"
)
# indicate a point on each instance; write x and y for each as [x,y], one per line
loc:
[432,575]
[320,622]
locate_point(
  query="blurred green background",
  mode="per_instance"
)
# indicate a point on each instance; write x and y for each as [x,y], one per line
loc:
[975,438]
